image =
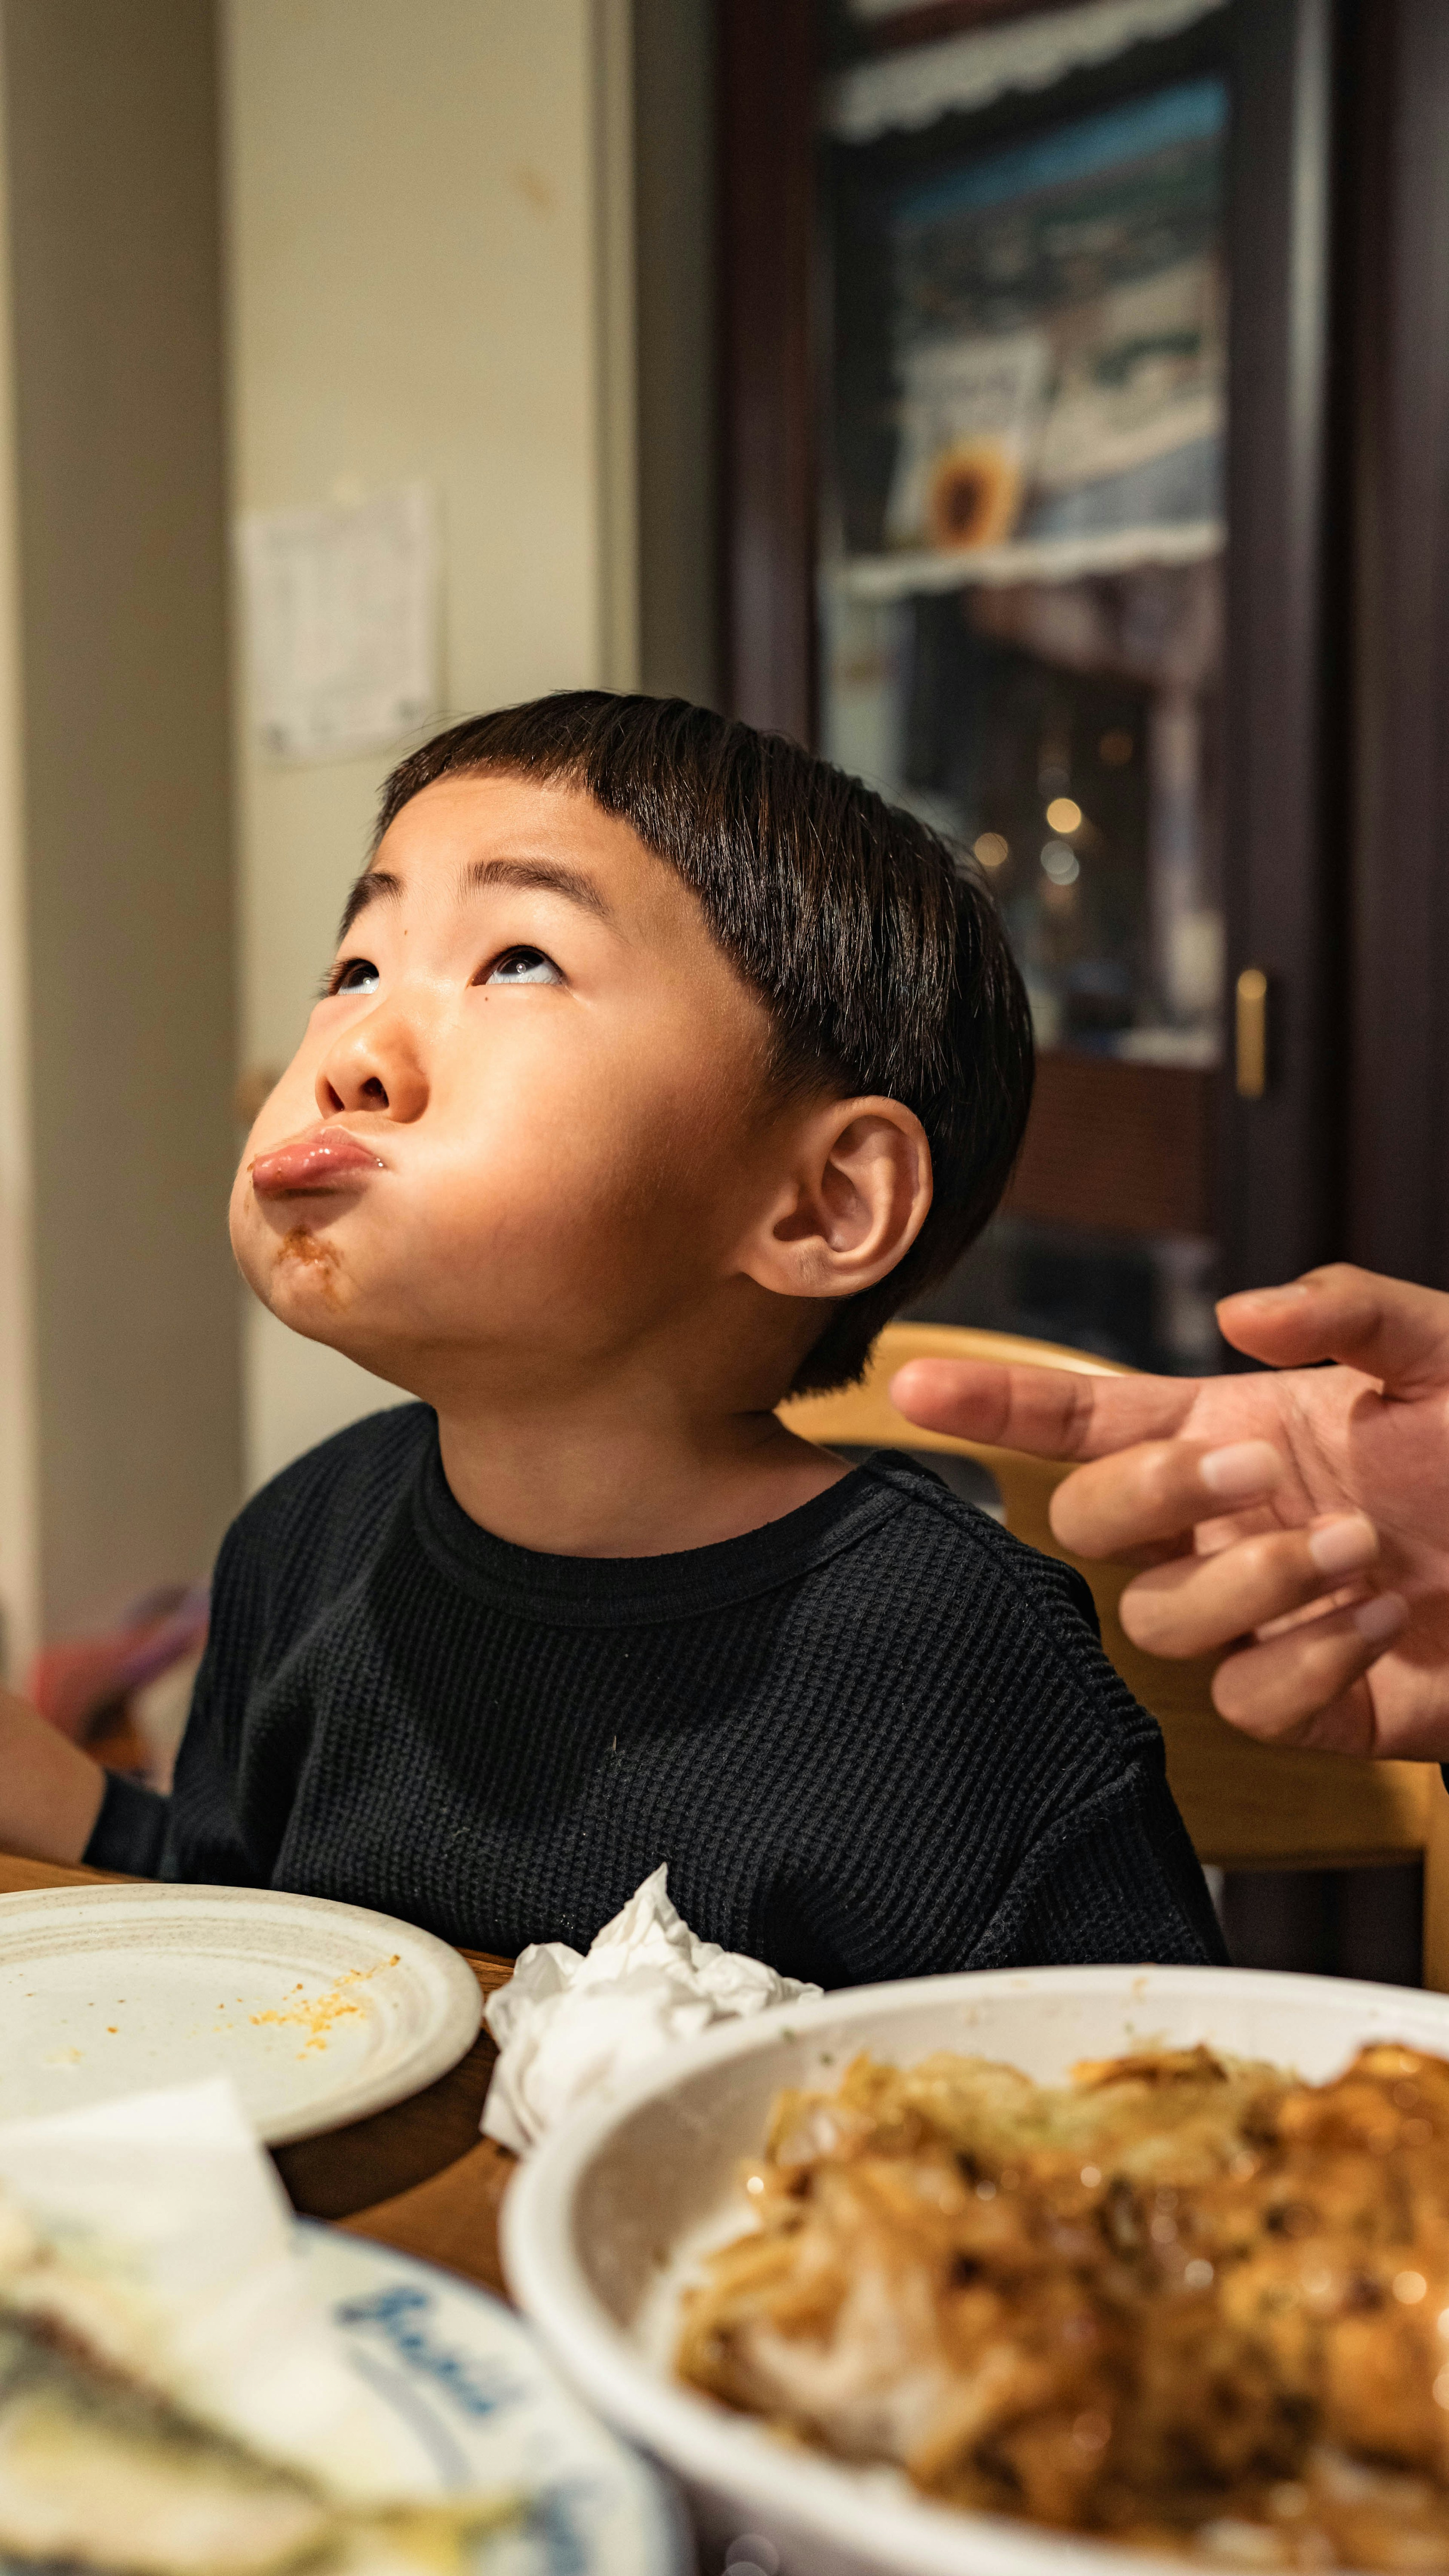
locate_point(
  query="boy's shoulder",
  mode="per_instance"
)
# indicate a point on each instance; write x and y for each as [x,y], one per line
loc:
[945,1589]
[939,1531]
[349,1481]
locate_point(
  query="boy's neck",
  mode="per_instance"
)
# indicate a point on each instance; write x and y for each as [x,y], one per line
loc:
[604,1476]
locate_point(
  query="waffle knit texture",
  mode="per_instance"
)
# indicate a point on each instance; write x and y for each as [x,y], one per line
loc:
[877,1738]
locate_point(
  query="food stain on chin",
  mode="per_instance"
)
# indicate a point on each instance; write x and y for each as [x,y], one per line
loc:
[313,1254]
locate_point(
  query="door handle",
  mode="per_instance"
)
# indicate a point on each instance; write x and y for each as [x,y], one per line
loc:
[1252,1034]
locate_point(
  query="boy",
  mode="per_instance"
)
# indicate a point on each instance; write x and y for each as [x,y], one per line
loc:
[659,1063]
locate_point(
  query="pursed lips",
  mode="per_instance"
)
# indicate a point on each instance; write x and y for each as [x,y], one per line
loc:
[328,1158]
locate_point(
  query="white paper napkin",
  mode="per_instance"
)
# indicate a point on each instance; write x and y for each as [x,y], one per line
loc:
[567,2021]
[173,2227]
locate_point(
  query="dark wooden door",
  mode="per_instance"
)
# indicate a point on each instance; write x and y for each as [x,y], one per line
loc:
[1395,349]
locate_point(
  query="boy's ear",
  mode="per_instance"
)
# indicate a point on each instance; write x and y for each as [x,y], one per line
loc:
[855,1200]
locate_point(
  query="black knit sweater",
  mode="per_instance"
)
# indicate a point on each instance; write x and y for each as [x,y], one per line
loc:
[876,1738]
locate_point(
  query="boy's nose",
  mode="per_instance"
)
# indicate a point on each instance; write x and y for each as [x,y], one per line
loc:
[370,1094]
[373,1066]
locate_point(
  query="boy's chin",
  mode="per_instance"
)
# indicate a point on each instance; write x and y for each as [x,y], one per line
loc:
[309,1311]
[311,1295]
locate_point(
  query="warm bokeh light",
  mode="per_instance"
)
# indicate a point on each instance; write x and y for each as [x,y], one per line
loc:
[1064,814]
[991,850]
[1061,862]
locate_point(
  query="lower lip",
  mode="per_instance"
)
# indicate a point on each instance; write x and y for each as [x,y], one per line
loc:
[329,1161]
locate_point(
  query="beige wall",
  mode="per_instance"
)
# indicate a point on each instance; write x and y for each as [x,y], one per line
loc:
[118,1363]
[429,257]
[19,1430]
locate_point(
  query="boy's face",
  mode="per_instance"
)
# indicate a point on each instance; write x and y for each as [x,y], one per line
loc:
[527,1119]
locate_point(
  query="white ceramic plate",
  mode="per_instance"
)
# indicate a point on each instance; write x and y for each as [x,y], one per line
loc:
[479,2406]
[318,2012]
[602,2225]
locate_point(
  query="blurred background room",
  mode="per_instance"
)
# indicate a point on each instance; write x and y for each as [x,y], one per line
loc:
[1041,409]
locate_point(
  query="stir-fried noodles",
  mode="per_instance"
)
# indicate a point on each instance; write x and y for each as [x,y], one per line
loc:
[1181,2302]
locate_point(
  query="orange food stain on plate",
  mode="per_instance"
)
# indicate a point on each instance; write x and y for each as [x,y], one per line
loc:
[318,2016]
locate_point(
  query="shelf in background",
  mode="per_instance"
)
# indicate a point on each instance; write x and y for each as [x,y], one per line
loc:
[1108,550]
[1118,1147]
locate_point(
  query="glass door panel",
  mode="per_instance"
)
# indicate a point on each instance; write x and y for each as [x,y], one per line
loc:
[1021,614]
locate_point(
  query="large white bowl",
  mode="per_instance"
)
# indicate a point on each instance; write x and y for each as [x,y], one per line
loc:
[597,2226]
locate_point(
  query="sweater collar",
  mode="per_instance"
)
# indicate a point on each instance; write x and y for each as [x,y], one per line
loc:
[642,1591]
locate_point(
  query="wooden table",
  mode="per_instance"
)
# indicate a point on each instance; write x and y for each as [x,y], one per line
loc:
[418,2176]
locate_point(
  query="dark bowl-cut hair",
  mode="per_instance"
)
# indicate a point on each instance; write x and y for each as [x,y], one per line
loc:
[879,957]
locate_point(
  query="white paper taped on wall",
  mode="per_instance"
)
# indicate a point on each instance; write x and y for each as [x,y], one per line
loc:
[342,623]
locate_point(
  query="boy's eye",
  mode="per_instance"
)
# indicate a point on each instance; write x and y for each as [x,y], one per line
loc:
[357,975]
[522,966]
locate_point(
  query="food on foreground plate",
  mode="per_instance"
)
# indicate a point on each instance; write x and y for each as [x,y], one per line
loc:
[100,2469]
[1182,2302]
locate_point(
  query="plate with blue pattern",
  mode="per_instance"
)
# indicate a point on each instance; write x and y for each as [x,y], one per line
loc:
[480,2408]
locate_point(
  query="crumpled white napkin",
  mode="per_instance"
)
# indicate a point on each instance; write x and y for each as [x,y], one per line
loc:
[568,2021]
[168,2204]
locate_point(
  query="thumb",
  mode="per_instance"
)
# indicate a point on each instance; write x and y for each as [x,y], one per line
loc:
[1389,1328]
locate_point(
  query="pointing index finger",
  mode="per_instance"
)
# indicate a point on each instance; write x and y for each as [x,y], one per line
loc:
[1052,1413]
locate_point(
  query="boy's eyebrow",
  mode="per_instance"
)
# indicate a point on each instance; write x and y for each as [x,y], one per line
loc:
[547,876]
[550,876]
[375,885]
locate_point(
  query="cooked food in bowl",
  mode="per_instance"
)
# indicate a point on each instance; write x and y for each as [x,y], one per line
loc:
[1182,2301]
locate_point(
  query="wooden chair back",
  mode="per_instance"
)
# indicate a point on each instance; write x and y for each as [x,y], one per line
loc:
[1246,1805]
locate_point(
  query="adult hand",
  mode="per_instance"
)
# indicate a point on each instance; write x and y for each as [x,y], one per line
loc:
[1301,1519]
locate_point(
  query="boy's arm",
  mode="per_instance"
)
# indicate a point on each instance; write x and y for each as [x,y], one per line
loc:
[57,1804]
[50,1792]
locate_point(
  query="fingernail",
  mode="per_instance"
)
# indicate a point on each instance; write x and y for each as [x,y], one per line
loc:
[1338,1547]
[1265,1296]
[1381,1618]
[1247,1467]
